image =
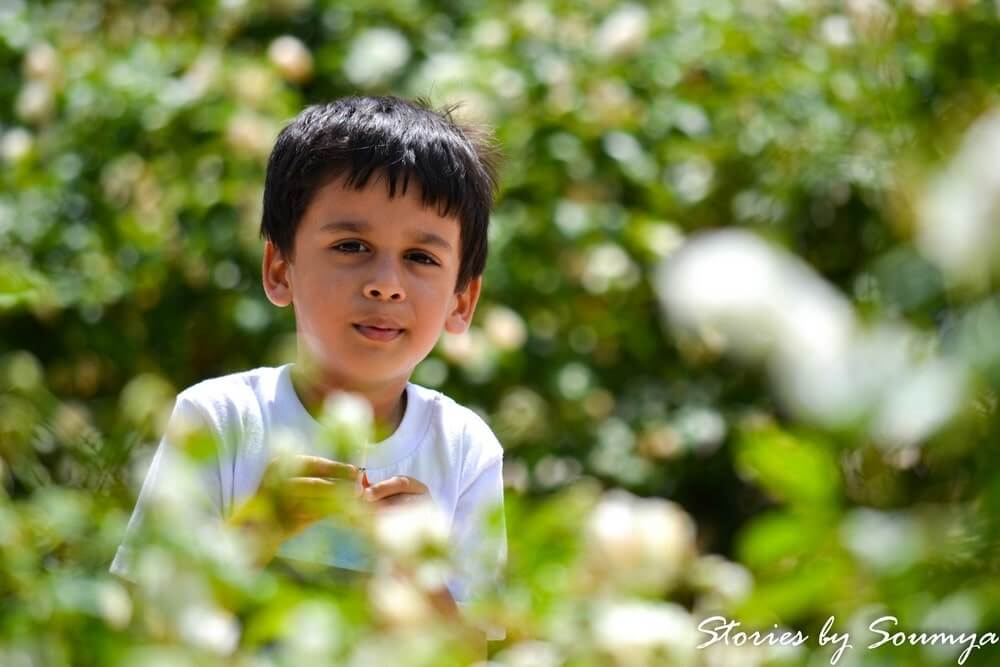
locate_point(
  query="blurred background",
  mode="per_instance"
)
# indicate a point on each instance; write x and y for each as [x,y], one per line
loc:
[740,335]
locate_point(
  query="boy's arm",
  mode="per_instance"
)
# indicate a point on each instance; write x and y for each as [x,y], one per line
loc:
[479,538]
[176,487]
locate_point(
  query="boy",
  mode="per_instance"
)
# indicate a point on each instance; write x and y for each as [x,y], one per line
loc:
[375,225]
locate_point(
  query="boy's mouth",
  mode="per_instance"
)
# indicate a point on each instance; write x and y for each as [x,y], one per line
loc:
[378,333]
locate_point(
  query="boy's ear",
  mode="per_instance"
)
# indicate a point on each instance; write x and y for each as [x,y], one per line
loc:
[463,306]
[276,276]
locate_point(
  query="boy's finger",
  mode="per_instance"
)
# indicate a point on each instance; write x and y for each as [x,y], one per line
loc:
[313,487]
[305,465]
[394,485]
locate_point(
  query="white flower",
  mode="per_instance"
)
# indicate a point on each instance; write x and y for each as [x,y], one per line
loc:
[398,601]
[692,179]
[42,62]
[623,32]
[531,653]
[348,424]
[375,55]
[836,30]
[35,102]
[15,144]
[640,540]
[722,579]
[209,628]
[957,217]
[291,57]
[472,350]
[250,134]
[608,265]
[314,628]
[633,632]
[411,529]
[505,328]
[887,541]
[114,604]
[739,292]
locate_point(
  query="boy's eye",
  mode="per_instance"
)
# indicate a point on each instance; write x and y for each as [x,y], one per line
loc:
[422,258]
[349,246]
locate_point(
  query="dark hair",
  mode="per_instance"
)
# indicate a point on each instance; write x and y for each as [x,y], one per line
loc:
[356,137]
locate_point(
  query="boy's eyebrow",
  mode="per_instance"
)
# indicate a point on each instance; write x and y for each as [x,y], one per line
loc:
[359,226]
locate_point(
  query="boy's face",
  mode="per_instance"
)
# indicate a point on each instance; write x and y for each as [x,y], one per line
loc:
[372,282]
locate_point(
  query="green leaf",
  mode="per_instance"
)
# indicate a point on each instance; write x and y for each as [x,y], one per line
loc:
[793,468]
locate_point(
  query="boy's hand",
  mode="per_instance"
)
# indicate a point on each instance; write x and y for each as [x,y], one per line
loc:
[304,489]
[294,493]
[396,490]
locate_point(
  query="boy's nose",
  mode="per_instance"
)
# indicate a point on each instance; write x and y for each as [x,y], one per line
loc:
[382,290]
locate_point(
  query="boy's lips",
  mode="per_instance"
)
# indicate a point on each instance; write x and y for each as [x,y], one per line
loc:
[379,328]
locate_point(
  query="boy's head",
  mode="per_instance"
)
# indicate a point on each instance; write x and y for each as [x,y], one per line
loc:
[375,220]
[361,139]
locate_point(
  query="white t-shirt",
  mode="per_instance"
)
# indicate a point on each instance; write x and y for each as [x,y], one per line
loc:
[446,446]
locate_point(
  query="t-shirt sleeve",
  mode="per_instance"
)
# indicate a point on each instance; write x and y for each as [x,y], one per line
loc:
[479,534]
[180,485]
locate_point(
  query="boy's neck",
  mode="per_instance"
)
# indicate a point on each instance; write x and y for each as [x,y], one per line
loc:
[388,401]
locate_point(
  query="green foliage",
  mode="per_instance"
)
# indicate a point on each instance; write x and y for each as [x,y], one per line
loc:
[133,139]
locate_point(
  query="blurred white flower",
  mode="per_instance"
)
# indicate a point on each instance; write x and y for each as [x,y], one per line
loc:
[553,471]
[344,409]
[919,402]
[348,424]
[36,102]
[530,653]
[147,397]
[692,120]
[661,238]
[446,68]
[572,217]
[735,283]
[520,414]
[535,18]
[702,428]
[879,372]
[398,601]
[42,62]
[646,633]
[738,292]
[375,55]
[958,219]
[627,150]
[15,144]
[253,84]
[209,628]
[719,580]
[607,265]
[574,380]
[505,328]
[21,371]
[836,30]
[472,350]
[490,34]
[644,541]
[314,628]
[199,78]
[409,530]
[660,441]
[887,541]
[623,32]
[291,57]
[692,179]
[114,604]
[250,134]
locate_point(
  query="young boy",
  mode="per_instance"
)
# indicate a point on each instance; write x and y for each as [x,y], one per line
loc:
[375,225]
